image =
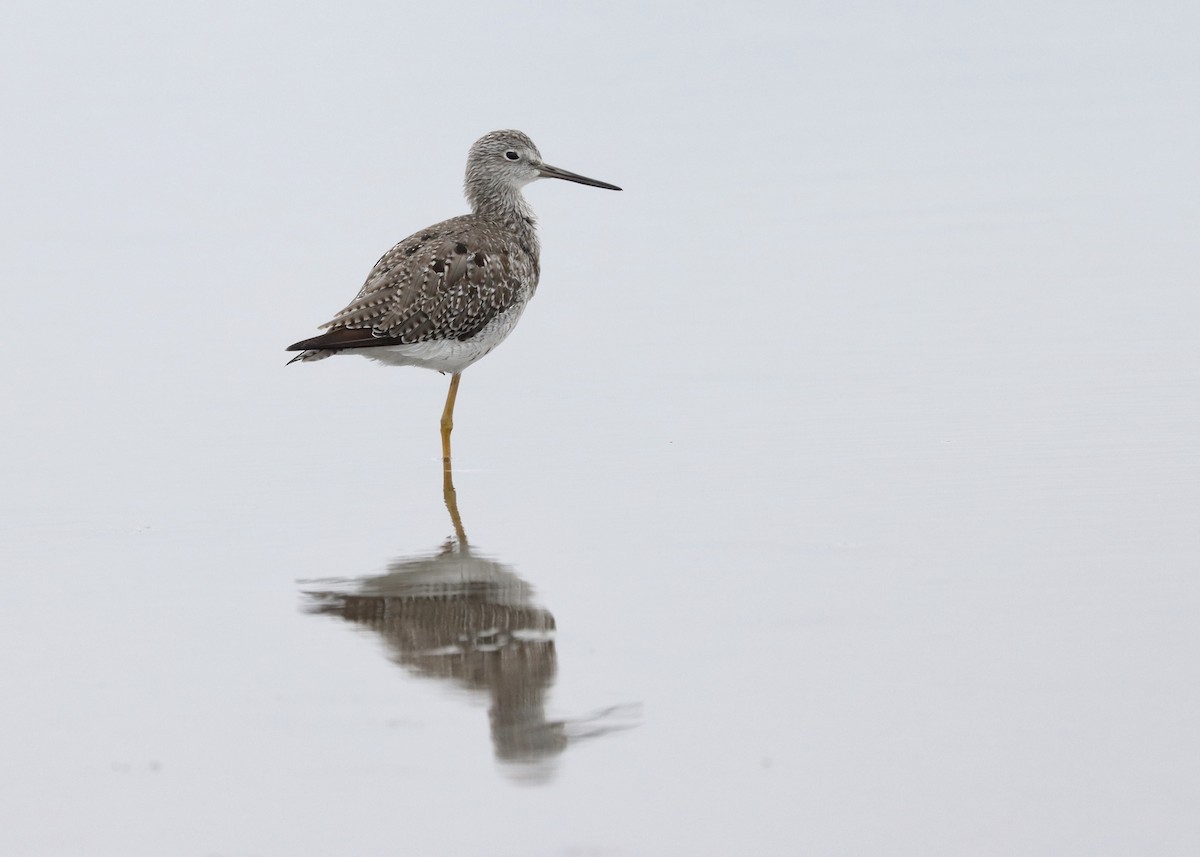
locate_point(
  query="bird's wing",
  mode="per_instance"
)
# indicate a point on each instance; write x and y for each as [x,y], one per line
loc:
[446,282]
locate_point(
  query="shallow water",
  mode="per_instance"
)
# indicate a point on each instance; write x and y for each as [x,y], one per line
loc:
[839,496]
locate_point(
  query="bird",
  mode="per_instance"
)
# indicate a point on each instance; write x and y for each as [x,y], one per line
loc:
[446,296]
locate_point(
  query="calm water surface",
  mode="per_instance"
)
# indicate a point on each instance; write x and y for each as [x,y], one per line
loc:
[836,495]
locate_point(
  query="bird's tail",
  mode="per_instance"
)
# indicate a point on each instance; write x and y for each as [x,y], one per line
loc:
[309,356]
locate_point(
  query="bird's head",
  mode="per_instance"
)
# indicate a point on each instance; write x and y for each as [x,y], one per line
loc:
[509,159]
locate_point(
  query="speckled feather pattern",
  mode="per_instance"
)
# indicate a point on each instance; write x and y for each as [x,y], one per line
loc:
[446,282]
[447,295]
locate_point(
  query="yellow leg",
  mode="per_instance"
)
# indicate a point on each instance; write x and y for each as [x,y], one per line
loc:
[451,498]
[448,417]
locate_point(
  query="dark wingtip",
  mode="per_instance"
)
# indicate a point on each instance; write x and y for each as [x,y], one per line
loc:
[342,337]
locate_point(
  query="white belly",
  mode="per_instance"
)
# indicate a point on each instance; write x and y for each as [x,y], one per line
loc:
[446,355]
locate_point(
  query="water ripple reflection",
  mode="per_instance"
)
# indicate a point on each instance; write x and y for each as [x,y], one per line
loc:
[458,616]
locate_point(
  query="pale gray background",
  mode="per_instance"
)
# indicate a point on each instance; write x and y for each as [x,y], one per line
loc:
[856,442]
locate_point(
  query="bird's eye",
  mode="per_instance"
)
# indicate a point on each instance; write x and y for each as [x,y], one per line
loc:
[512,155]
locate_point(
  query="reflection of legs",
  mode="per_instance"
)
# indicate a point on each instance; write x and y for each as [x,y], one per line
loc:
[448,418]
[451,498]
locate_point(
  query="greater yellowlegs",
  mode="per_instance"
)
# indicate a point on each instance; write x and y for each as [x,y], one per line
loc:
[447,295]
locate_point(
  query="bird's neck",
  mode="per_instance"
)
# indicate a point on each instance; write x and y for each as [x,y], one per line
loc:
[507,205]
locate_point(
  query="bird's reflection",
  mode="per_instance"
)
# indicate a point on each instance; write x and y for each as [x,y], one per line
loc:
[455,615]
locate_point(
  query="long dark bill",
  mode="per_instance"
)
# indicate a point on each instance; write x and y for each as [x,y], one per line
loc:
[548,172]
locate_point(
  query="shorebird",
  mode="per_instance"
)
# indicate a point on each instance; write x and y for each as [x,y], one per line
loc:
[446,296]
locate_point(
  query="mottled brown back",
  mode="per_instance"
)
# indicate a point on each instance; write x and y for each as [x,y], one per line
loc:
[445,282]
